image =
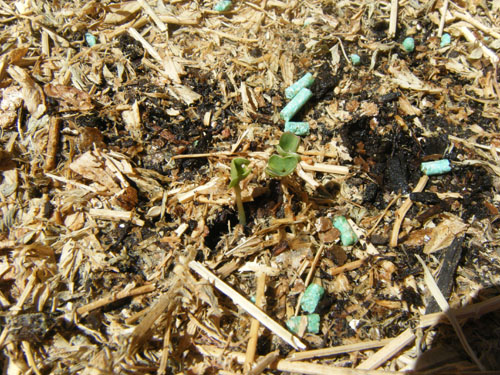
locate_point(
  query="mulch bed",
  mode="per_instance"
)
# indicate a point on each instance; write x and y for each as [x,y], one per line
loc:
[120,245]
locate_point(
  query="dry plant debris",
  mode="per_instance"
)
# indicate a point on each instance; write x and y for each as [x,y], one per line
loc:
[120,248]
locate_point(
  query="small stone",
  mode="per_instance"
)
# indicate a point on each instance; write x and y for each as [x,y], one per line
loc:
[311,297]
[347,235]
[355,59]
[409,44]
[445,40]
[297,128]
[338,255]
[432,168]
[329,236]
[323,224]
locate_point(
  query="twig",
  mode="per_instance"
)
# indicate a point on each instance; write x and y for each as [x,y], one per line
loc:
[327,168]
[167,62]
[341,349]
[381,216]
[254,327]
[469,35]
[162,369]
[70,182]
[229,36]
[401,213]
[150,12]
[249,307]
[306,176]
[296,367]
[264,362]
[32,280]
[29,356]
[444,10]
[348,267]
[469,19]
[203,189]
[309,277]
[166,302]
[204,155]
[181,21]
[394,19]
[52,143]
[443,304]
[145,44]
[115,297]
[388,351]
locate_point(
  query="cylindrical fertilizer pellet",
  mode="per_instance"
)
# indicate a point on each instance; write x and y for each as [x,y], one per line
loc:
[432,168]
[311,297]
[293,323]
[306,81]
[295,104]
[347,235]
[223,6]
[297,128]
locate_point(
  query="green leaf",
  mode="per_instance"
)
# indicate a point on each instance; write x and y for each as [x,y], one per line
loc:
[279,166]
[289,143]
[239,171]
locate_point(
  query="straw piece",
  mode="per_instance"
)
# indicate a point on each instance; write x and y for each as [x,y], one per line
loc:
[469,35]
[306,176]
[145,44]
[115,297]
[167,302]
[309,277]
[388,351]
[249,307]
[29,356]
[401,213]
[327,168]
[474,311]
[444,10]
[52,143]
[151,13]
[469,19]
[254,327]
[203,189]
[341,349]
[394,19]
[264,362]
[296,367]
[348,267]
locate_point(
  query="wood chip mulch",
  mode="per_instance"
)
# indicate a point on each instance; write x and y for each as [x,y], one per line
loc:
[120,247]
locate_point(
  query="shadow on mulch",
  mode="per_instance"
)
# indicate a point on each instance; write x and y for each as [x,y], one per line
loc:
[446,354]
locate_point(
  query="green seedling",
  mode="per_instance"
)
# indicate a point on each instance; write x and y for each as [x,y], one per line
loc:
[239,171]
[289,143]
[285,163]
